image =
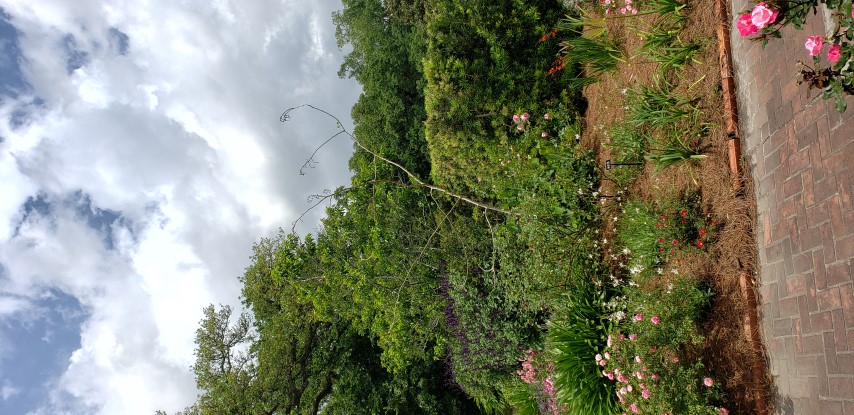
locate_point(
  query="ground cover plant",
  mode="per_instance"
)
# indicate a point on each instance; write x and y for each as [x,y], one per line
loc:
[483,259]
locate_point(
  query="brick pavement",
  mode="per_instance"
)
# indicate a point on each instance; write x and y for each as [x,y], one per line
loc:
[801,153]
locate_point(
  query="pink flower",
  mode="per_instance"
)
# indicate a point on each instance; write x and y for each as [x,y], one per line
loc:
[724,411]
[708,382]
[516,118]
[655,320]
[637,359]
[645,394]
[633,337]
[653,349]
[762,16]
[622,379]
[520,127]
[623,391]
[610,339]
[608,11]
[623,10]
[634,408]
[544,134]
[814,44]
[547,116]
[634,11]
[834,53]
[655,376]
[602,363]
[525,116]
[629,388]
[598,357]
[745,25]
[639,375]
[638,317]
[675,360]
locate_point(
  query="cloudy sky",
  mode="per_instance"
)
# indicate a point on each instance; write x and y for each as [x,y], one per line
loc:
[140,157]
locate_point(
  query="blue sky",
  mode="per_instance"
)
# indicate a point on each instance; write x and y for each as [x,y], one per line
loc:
[141,156]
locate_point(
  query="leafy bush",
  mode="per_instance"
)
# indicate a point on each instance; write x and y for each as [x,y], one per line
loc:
[576,334]
[651,356]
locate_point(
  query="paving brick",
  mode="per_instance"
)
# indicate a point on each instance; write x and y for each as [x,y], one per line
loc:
[828,407]
[822,321]
[840,387]
[846,294]
[838,273]
[829,299]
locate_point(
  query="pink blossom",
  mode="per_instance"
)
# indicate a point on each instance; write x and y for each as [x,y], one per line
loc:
[622,379]
[633,337]
[634,408]
[638,359]
[834,53]
[520,127]
[638,317]
[762,16]
[639,375]
[610,376]
[544,134]
[598,357]
[634,11]
[610,339]
[655,320]
[623,391]
[724,411]
[608,11]
[675,360]
[525,116]
[602,363]
[623,10]
[745,25]
[645,394]
[655,376]
[642,386]
[547,116]
[606,355]
[708,382]
[516,118]
[629,388]
[814,44]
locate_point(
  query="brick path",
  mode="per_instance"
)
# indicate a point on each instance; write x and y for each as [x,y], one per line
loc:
[801,153]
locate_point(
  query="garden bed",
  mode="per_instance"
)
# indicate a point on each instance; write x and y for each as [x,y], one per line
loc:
[726,351]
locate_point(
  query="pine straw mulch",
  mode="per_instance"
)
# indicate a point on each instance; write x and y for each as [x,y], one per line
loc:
[727,351]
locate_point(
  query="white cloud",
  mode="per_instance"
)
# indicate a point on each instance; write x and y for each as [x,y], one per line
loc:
[7,390]
[181,136]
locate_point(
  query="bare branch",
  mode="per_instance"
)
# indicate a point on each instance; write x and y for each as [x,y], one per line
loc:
[286,116]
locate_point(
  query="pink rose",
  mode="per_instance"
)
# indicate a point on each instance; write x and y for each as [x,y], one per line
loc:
[638,317]
[655,320]
[598,357]
[762,16]
[633,336]
[645,394]
[516,118]
[634,408]
[745,25]
[525,116]
[834,53]
[814,44]
[708,382]
[606,355]
[724,411]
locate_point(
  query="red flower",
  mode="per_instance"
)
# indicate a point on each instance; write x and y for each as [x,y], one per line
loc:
[703,232]
[661,219]
[700,244]
[683,212]
[675,242]
[661,240]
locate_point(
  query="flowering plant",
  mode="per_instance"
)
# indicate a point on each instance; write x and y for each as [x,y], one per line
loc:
[835,80]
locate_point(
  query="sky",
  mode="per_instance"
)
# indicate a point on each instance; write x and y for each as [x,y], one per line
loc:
[141,156]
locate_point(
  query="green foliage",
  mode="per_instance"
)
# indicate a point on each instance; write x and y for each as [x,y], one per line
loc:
[651,234]
[657,106]
[594,49]
[655,349]
[484,60]
[575,334]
